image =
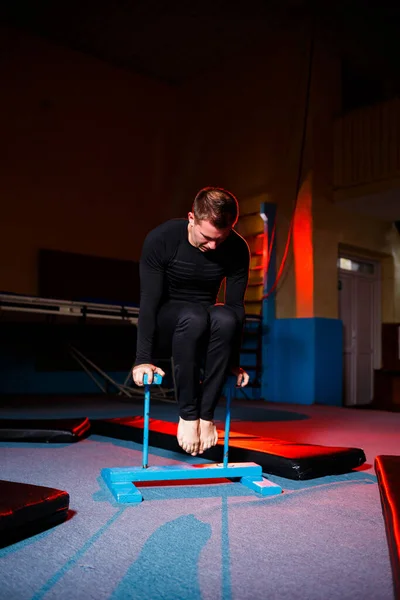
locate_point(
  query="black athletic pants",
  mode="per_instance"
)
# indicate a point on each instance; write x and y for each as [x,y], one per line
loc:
[199,340]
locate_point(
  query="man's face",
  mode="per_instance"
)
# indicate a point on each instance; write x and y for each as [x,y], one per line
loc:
[204,236]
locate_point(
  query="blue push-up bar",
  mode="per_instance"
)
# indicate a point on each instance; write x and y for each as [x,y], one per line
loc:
[121,480]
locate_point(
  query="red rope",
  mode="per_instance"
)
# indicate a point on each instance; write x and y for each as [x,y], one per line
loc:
[284,258]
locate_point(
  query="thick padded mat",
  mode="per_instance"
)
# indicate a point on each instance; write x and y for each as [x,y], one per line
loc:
[44,430]
[276,457]
[387,470]
[27,509]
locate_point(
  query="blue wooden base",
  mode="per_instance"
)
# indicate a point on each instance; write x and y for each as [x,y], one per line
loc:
[121,480]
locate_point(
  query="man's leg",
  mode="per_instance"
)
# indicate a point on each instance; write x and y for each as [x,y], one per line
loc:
[182,331]
[223,324]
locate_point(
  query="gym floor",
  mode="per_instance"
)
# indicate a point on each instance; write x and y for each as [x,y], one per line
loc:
[321,538]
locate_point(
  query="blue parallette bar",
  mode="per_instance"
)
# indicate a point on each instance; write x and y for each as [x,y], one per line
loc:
[157,379]
[227,424]
[146,416]
[121,480]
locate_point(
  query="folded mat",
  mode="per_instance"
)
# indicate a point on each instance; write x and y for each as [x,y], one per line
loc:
[44,430]
[276,457]
[27,509]
[387,470]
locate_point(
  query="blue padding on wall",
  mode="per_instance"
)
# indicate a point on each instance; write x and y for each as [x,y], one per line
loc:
[22,378]
[329,362]
[306,364]
[28,382]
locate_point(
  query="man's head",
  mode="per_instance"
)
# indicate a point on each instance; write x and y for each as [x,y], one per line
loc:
[215,211]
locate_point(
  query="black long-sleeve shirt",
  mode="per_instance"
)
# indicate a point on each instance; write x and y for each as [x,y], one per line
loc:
[172,269]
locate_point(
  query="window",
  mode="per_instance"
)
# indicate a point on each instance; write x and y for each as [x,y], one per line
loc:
[348,264]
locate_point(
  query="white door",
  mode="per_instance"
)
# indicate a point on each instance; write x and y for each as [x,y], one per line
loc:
[359,309]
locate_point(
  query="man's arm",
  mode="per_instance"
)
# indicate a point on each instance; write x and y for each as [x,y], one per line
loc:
[236,284]
[151,269]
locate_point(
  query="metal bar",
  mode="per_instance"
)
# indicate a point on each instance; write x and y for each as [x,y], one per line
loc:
[129,376]
[157,380]
[102,373]
[227,425]
[67,308]
[33,300]
[81,363]
[57,312]
[146,427]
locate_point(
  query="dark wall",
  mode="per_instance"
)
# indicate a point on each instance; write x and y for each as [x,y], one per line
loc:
[86,157]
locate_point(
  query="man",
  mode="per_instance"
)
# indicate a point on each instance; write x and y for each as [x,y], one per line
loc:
[182,266]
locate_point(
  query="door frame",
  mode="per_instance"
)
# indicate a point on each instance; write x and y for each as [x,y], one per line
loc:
[377,300]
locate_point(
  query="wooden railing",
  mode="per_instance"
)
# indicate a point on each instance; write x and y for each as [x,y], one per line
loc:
[367,145]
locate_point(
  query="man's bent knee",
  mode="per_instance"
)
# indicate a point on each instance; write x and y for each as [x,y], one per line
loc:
[223,319]
[193,320]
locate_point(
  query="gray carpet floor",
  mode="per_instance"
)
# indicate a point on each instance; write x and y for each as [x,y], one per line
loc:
[320,539]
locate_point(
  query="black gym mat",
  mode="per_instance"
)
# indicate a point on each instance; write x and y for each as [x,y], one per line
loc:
[276,457]
[44,430]
[27,509]
[387,470]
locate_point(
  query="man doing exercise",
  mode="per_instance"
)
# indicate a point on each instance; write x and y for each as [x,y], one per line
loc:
[182,266]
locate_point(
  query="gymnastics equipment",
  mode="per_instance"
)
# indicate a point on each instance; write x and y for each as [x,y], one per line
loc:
[121,480]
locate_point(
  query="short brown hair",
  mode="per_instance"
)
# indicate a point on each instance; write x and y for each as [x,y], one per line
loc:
[216,205]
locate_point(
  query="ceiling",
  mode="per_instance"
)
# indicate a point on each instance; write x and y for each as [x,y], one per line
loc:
[171,40]
[174,40]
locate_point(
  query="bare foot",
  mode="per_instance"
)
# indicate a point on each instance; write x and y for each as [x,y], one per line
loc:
[208,435]
[188,436]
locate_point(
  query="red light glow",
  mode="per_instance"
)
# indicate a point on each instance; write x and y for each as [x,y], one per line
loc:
[303,252]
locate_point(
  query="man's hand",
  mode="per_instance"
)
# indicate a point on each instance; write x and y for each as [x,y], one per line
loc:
[242,378]
[140,371]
